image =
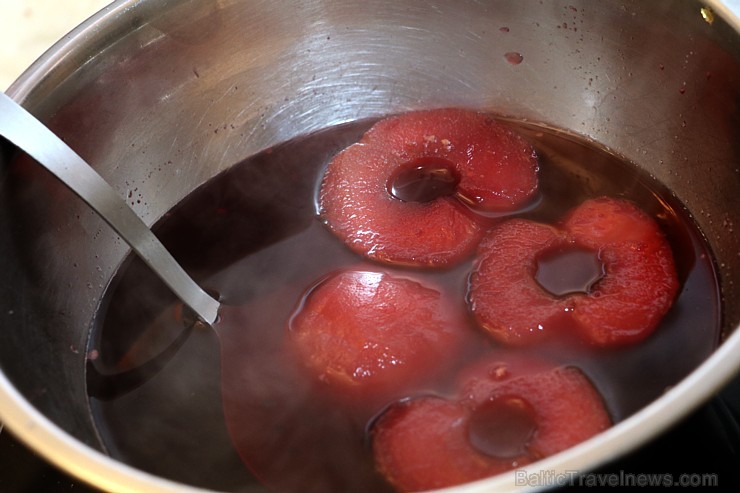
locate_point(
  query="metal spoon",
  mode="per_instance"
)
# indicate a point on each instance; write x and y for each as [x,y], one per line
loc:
[23,130]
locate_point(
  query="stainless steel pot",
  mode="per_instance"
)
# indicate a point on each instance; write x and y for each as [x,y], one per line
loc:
[162,95]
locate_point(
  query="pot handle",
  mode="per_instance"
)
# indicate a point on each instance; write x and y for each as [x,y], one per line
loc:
[27,133]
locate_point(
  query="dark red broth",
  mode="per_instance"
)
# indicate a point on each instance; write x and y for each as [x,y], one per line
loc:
[191,403]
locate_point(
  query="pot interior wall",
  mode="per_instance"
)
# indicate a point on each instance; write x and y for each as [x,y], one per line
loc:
[181,92]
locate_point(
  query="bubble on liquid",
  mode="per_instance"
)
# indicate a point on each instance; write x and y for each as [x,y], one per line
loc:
[513,57]
[499,372]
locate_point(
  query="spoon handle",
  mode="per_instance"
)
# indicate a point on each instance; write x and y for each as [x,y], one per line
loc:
[27,133]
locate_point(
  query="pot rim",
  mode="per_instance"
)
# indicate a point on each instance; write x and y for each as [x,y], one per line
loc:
[56,446]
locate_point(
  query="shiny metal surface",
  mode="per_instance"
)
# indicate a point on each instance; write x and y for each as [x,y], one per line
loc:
[163,96]
[24,131]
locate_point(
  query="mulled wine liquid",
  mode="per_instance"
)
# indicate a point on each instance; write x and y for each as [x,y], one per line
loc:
[160,387]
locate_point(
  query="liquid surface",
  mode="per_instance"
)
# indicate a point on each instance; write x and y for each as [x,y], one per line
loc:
[423,180]
[183,403]
[502,428]
[568,270]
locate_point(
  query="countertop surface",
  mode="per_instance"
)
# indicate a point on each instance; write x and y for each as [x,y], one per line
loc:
[30,27]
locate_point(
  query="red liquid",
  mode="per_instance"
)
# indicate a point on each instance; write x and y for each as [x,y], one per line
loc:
[252,235]
[423,180]
[568,270]
[502,428]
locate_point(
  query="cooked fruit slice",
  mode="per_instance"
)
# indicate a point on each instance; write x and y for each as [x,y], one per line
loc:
[504,296]
[432,443]
[624,305]
[370,334]
[640,283]
[397,195]
[358,208]
[475,381]
[497,167]
[422,444]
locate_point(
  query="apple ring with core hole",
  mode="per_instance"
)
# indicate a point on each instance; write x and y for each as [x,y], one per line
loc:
[606,274]
[418,188]
[432,442]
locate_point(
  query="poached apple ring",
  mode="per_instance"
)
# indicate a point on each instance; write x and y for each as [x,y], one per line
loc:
[368,336]
[512,419]
[481,165]
[638,285]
